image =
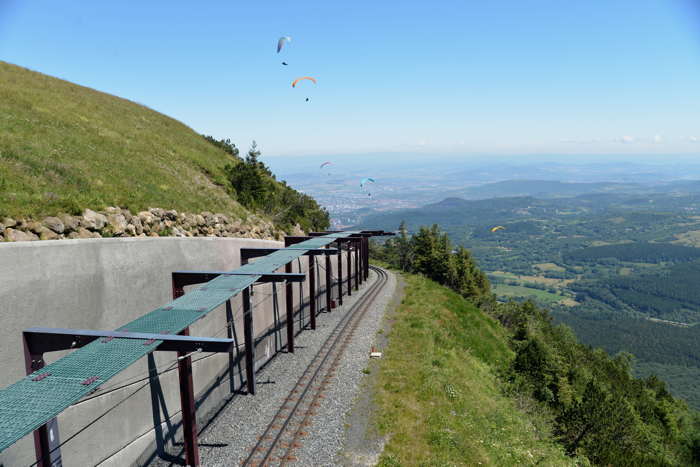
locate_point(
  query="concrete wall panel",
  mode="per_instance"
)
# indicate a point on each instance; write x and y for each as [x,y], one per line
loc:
[103,284]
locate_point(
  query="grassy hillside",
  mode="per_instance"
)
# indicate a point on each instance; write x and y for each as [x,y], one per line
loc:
[64,147]
[439,399]
[501,385]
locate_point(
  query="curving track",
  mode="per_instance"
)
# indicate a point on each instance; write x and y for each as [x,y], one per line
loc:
[283,435]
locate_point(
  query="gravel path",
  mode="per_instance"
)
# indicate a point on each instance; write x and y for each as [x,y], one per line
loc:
[327,433]
[229,438]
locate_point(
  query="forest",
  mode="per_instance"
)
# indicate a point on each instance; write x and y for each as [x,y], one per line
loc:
[597,407]
[635,252]
[620,269]
[668,293]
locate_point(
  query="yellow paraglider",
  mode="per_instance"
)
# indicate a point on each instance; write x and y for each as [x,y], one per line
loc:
[497,228]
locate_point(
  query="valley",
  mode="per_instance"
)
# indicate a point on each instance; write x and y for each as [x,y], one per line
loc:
[621,269]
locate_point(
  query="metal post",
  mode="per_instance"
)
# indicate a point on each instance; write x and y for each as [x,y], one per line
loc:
[231,333]
[301,299]
[357,265]
[178,290]
[340,274]
[312,290]
[32,363]
[189,417]
[366,242]
[249,336]
[276,318]
[329,286]
[349,269]
[360,261]
[289,304]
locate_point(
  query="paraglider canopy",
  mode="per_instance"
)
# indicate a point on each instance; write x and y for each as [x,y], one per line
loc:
[282,41]
[325,164]
[294,83]
[497,228]
[365,180]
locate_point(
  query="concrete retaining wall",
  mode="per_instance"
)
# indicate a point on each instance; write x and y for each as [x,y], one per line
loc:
[103,284]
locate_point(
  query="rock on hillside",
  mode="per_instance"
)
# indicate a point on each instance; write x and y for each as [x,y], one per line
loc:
[154,222]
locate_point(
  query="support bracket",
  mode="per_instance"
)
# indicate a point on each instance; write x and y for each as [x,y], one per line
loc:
[42,340]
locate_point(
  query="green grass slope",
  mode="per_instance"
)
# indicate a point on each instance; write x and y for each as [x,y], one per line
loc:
[438,397]
[65,147]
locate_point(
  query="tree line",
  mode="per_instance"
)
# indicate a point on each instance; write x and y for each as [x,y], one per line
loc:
[431,253]
[255,187]
[636,251]
[669,293]
[596,407]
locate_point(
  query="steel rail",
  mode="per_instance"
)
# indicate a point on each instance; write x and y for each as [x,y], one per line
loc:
[282,434]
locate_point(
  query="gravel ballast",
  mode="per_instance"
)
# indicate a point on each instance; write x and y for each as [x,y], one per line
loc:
[232,434]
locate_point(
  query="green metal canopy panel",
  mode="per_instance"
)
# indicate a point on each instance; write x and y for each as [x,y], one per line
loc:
[34,400]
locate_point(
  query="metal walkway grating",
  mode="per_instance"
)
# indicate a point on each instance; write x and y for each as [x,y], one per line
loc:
[36,399]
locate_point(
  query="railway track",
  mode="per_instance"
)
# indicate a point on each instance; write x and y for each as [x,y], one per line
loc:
[292,421]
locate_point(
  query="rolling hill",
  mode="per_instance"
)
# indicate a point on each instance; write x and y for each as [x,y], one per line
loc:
[64,148]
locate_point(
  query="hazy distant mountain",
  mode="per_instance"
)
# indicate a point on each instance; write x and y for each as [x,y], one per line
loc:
[546,189]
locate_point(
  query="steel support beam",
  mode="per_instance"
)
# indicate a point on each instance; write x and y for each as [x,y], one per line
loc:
[250,253]
[358,275]
[231,334]
[312,290]
[366,263]
[349,262]
[33,361]
[288,242]
[340,273]
[289,306]
[329,285]
[42,340]
[360,261]
[182,278]
[187,403]
[249,338]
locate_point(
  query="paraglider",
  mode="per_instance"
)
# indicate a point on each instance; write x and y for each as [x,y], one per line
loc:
[282,41]
[497,228]
[365,180]
[285,63]
[294,83]
[326,164]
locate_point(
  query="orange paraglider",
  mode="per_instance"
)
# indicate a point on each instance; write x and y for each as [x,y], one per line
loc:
[294,83]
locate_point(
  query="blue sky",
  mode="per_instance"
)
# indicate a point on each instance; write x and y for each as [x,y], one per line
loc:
[451,77]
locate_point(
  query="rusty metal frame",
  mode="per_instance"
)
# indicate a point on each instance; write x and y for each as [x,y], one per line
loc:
[37,341]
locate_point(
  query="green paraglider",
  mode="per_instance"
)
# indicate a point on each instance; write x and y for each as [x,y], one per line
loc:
[365,180]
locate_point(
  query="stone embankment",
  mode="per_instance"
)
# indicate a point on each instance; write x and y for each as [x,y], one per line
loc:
[155,222]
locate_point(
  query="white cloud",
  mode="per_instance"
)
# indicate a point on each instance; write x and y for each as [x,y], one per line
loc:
[658,139]
[626,139]
[693,139]
[580,141]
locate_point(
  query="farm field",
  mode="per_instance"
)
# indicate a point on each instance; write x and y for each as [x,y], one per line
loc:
[612,258]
